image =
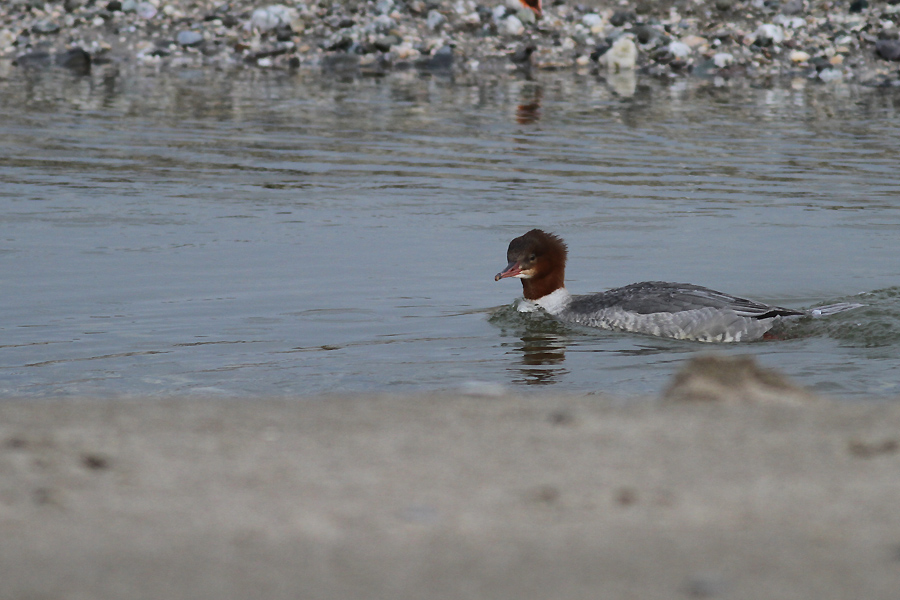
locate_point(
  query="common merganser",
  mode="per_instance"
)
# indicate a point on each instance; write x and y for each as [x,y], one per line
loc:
[674,310]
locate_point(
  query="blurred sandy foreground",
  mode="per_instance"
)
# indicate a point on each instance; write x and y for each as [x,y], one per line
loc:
[449,496]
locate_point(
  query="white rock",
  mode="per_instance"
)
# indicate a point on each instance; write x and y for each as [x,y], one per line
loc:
[7,39]
[830,74]
[513,26]
[790,22]
[622,56]
[799,56]
[473,18]
[406,51]
[723,59]
[435,19]
[270,17]
[679,49]
[771,32]
[381,24]
[591,19]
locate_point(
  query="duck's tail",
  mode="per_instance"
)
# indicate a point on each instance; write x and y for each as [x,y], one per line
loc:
[831,309]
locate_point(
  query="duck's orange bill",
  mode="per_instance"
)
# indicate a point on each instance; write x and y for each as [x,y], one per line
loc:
[511,270]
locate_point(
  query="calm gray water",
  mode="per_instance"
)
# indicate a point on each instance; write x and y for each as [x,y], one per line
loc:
[264,234]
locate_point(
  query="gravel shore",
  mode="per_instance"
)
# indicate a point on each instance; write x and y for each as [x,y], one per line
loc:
[823,40]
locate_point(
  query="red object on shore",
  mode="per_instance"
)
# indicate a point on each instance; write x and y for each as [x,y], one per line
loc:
[534,5]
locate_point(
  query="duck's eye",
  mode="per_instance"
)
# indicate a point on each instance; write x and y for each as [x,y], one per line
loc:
[532,257]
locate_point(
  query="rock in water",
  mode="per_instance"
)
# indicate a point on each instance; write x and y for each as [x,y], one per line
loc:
[77,60]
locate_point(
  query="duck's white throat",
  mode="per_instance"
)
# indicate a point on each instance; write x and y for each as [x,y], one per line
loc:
[554,302]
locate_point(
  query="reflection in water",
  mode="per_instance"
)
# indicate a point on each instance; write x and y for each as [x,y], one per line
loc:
[529,108]
[542,353]
[624,83]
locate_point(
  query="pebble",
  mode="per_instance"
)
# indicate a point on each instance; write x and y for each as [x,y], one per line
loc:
[435,19]
[827,75]
[724,5]
[792,7]
[622,56]
[189,38]
[645,34]
[384,7]
[270,17]
[45,27]
[384,44]
[679,49]
[621,17]
[146,10]
[768,34]
[440,60]
[513,26]
[592,19]
[798,56]
[888,49]
[723,59]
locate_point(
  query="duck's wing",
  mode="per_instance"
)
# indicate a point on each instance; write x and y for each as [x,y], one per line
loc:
[651,297]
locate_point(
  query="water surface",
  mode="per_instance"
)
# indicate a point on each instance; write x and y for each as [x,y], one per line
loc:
[260,234]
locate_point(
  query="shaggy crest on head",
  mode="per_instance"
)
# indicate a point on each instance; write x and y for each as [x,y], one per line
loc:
[537,258]
[676,310]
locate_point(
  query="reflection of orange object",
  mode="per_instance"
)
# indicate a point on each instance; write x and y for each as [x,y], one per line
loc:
[528,113]
[529,110]
[534,5]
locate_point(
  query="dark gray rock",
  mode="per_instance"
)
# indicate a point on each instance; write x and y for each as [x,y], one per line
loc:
[888,49]
[792,7]
[620,17]
[645,34]
[33,60]
[284,32]
[600,49]
[339,42]
[724,5]
[440,60]
[76,60]
[522,55]
[383,44]
[340,63]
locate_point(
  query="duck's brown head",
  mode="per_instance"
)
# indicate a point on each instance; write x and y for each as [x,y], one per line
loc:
[539,260]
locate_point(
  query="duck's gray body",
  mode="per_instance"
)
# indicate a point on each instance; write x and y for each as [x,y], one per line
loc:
[674,310]
[681,311]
